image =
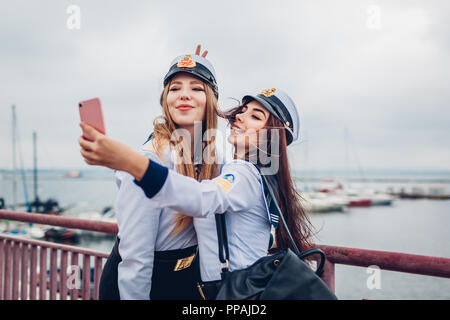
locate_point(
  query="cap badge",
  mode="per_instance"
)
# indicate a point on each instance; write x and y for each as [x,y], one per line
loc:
[186,62]
[268,93]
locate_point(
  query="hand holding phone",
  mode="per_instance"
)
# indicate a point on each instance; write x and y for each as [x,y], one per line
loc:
[92,114]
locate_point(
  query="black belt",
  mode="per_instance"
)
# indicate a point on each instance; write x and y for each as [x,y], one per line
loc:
[209,289]
[180,258]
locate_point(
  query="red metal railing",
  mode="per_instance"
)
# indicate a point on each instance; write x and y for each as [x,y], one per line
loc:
[23,262]
[23,272]
[73,223]
[393,261]
[19,251]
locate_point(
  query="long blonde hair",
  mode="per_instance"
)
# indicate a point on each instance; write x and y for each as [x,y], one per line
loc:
[164,131]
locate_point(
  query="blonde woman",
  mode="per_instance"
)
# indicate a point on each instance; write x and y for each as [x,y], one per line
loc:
[155,255]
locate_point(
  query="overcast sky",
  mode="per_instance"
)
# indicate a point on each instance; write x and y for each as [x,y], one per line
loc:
[370,78]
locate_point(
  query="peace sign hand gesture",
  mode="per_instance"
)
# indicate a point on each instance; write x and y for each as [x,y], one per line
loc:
[198,50]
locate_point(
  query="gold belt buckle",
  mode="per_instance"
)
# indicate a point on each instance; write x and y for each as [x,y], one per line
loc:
[184,263]
[199,286]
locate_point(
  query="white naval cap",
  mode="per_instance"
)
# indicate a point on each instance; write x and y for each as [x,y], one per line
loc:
[195,65]
[278,103]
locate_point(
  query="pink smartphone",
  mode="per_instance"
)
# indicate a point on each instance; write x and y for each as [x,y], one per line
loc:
[92,114]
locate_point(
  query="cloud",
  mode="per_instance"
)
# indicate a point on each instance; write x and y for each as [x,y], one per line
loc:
[387,87]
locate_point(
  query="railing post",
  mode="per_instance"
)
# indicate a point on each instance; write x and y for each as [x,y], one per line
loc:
[86,276]
[74,289]
[7,284]
[63,276]
[97,275]
[328,275]
[33,270]
[53,273]
[24,271]
[43,274]
[16,271]
[2,263]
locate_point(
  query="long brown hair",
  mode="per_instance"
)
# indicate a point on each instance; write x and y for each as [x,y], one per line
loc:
[165,130]
[288,198]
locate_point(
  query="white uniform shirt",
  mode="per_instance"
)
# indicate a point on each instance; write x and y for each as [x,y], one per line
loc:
[238,192]
[142,231]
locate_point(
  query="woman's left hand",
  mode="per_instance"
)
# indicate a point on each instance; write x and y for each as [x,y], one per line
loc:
[100,150]
[198,50]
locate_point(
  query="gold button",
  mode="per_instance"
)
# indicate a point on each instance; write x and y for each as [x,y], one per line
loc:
[287,123]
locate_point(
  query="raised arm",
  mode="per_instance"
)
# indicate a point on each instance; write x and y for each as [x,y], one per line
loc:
[234,190]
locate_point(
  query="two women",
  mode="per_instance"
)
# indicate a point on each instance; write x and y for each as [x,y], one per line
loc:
[237,192]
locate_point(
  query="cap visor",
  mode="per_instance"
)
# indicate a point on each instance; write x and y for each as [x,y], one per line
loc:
[191,72]
[264,103]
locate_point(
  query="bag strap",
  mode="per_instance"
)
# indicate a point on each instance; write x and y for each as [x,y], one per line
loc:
[224,252]
[301,255]
[269,188]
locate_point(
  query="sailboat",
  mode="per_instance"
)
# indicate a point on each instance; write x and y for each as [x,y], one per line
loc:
[50,206]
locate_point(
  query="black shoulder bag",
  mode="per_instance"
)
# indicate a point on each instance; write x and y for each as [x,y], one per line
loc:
[282,276]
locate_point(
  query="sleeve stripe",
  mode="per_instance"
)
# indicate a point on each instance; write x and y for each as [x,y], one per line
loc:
[154,178]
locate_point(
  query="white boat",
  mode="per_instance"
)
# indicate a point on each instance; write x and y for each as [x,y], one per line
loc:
[23,229]
[73,175]
[320,202]
[108,216]
[377,198]
[36,232]
[382,199]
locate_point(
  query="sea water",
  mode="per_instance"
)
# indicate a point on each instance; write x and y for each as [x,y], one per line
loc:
[409,226]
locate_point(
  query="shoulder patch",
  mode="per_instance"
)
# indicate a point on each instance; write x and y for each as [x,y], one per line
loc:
[226,182]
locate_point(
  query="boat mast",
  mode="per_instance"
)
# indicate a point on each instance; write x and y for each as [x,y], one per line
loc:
[35,168]
[14,177]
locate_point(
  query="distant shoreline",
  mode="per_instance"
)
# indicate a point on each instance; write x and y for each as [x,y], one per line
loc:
[365,176]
